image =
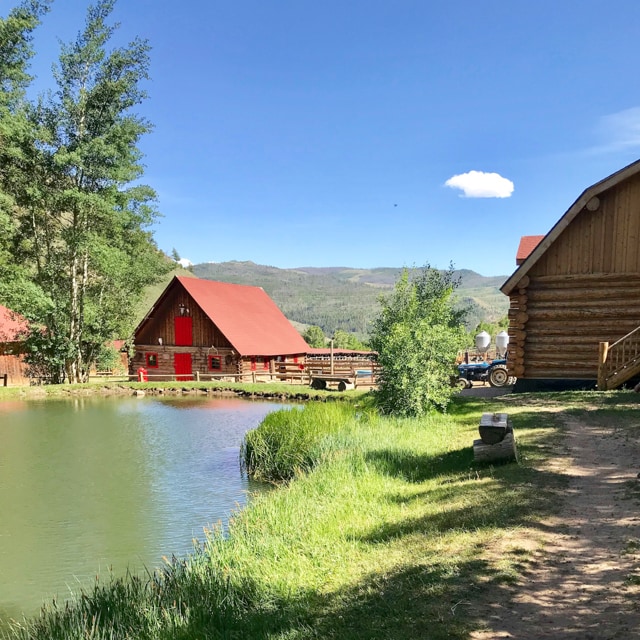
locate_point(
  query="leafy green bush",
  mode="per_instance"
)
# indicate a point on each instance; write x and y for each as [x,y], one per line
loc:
[417,336]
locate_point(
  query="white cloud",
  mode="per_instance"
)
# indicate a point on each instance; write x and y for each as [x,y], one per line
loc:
[185,263]
[621,130]
[478,184]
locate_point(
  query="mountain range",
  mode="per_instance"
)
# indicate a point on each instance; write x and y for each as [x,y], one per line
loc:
[347,298]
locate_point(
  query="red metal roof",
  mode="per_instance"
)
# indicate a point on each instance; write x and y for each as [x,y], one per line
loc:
[249,319]
[527,245]
[12,325]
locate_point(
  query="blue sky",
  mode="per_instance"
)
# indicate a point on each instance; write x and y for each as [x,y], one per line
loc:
[298,133]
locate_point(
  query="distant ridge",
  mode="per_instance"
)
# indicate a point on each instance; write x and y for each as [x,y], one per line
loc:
[346,298]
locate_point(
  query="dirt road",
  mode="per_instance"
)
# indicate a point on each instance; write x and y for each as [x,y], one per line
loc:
[583,577]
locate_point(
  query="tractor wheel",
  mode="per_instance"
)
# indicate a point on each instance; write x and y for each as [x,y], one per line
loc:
[498,376]
[463,383]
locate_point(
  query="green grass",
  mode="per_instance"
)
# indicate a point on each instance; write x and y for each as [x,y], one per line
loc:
[290,442]
[394,533]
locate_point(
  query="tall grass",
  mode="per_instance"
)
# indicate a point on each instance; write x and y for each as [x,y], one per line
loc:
[382,535]
[293,441]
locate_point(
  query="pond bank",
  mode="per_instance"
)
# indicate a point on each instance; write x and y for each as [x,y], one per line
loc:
[280,392]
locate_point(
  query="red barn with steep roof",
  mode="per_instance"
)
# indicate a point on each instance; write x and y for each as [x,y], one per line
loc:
[203,328]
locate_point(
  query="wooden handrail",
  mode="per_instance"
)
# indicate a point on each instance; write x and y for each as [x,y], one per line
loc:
[620,361]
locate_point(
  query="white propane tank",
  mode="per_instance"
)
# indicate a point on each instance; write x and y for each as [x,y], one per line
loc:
[483,340]
[502,340]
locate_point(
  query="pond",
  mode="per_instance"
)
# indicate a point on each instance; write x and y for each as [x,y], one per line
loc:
[93,485]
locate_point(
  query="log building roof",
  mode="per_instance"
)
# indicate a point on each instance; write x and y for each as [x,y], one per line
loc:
[587,200]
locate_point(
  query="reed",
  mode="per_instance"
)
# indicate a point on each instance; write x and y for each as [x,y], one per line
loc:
[293,441]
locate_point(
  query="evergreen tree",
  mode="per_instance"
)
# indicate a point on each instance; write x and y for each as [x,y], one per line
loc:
[417,335]
[314,337]
[15,132]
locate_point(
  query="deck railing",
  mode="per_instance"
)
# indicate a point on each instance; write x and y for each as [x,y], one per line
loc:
[620,361]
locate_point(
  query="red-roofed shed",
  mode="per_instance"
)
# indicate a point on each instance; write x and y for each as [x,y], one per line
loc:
[210,328]
[13,370]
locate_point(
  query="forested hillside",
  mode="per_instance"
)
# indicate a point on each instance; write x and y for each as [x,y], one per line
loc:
[344,298]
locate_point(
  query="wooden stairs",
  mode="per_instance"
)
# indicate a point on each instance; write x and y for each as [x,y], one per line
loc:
[619,362]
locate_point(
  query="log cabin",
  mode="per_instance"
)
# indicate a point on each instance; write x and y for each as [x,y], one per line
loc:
[13,369]
[574,316]
[202,329]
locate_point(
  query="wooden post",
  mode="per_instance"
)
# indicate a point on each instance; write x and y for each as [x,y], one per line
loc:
[5,380]
[504,450]
[497,442]
[331,351]
[603,351]
[197,376]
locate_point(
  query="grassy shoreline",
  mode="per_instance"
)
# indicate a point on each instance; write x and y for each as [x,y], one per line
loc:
[395,533]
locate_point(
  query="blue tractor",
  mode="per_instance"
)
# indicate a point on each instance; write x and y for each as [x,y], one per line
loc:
[494,372]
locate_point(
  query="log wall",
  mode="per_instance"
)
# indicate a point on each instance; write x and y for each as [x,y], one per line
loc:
[165,359]
[557,323]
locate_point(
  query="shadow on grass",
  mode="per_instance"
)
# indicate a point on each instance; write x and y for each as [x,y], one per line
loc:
[420,601]
[502,504]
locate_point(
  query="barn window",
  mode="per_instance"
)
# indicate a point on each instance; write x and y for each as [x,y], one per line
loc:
[253,363]
[215,363]
[266,363]
[151,360]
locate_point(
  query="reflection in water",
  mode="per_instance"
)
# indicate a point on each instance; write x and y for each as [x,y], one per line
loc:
[97,483]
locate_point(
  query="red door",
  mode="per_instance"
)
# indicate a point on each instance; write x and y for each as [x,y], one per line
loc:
[182,366]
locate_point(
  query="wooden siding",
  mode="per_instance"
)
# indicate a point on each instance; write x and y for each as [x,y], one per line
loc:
[16,370]
[606,240]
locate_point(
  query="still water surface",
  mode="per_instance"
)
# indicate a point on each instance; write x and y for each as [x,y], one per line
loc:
[92,484]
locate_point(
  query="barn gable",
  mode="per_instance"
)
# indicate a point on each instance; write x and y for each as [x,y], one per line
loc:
[214,328]
[580,286]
